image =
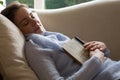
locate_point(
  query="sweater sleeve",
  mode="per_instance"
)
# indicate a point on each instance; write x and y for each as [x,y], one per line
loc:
[40,62]
[89,70]
[44,67]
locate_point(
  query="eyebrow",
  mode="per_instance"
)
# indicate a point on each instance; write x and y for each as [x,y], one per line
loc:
[25,18]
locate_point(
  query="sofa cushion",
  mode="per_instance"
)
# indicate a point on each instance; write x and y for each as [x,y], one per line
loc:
[13,65]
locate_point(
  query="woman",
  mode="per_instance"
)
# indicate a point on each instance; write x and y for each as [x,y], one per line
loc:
[46,57]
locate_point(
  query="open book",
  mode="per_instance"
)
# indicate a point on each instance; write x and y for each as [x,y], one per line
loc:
[75,48]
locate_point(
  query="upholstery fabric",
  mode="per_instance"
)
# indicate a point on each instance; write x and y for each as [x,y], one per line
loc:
[13,65]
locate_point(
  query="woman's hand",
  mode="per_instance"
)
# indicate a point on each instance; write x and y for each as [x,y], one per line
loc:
[93,45]
[99,54]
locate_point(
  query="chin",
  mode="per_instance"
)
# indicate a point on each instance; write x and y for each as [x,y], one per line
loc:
[39,32]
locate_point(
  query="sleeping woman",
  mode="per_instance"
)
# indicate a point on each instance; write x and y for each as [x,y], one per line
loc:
[49,61]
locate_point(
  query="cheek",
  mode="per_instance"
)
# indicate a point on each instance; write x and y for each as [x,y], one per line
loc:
[27,29]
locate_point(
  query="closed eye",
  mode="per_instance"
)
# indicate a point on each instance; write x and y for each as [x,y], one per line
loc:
[25,22]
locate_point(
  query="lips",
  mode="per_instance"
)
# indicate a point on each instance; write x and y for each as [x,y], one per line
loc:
[37,28]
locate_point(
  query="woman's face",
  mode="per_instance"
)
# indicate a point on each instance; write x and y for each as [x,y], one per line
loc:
[27,22]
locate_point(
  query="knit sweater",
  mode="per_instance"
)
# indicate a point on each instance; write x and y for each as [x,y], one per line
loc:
[50,62]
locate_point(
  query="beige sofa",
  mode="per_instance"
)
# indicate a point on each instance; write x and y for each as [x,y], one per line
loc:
[95,20]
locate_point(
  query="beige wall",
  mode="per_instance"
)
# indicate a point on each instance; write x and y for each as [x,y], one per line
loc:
[95,20]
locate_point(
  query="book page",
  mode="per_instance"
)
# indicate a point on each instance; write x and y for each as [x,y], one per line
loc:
[75,48]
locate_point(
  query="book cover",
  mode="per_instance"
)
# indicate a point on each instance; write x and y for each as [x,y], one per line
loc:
[75,48]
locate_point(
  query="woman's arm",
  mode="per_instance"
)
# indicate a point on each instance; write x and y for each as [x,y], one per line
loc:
[89,70]
[44,67]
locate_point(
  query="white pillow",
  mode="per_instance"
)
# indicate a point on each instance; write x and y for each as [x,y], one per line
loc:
[13,65]
[1,7]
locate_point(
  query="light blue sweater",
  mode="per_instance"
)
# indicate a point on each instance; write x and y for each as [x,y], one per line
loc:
[50,62]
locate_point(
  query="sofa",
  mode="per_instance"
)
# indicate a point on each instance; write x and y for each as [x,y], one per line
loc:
[95,20]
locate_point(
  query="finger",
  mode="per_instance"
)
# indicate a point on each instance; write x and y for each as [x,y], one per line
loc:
[88,44]
[93,48]
[101,47]
[90,47]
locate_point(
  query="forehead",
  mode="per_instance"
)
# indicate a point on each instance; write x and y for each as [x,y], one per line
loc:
[22,13]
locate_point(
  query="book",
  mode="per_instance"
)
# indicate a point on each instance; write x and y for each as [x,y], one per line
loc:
[76,49]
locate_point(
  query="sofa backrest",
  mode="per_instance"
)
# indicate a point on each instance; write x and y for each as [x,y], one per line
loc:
[95,20]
